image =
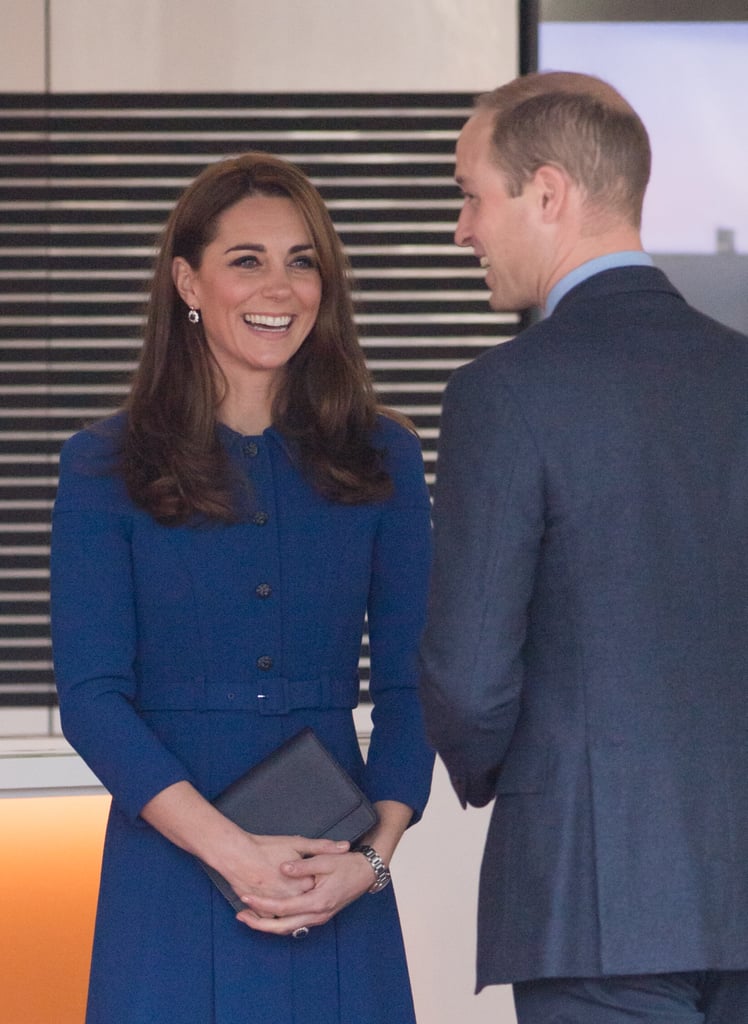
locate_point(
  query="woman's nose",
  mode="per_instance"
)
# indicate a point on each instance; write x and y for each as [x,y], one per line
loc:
[276,281]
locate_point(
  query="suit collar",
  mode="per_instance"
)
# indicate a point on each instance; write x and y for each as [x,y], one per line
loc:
[610,261]
[617,281]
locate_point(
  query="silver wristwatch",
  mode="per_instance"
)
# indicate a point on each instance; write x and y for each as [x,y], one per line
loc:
[381,871]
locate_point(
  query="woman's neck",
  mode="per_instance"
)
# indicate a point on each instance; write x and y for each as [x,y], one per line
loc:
[246,414]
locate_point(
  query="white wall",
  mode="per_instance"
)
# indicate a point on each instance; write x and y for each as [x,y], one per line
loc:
[436,870]
[240,45]
[22,46]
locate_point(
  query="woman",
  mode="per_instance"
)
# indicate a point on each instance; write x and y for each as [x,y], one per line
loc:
[216,547]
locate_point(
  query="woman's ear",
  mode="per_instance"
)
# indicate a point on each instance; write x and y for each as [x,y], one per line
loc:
[183,277]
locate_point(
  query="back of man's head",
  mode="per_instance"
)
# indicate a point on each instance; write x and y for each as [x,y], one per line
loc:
[578,123]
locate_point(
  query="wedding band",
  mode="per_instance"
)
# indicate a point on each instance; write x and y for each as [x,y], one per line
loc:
[300,933]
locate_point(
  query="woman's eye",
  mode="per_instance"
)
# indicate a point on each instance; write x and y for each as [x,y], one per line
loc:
[304,262]
[245,261]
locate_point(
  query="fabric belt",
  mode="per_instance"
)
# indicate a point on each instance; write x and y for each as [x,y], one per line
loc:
[278,696]
[271,695]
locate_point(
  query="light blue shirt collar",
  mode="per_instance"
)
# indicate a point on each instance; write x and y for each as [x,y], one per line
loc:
[627,258]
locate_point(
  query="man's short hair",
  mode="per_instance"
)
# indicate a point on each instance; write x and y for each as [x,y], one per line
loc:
[578,123]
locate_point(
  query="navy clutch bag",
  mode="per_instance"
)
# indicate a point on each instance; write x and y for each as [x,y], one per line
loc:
[299,789]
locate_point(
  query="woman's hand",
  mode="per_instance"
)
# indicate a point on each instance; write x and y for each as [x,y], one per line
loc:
[287,882]
[325,884]
[250,864]
[330,883]
[267,867]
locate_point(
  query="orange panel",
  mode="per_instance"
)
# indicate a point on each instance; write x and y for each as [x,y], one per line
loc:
[50,858]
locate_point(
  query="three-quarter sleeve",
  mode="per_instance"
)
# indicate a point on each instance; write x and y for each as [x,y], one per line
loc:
[400,760]
[94,630]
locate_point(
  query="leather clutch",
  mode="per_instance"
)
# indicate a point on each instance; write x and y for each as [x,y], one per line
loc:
[299,789]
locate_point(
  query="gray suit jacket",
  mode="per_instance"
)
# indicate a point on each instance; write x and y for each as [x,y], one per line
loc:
[586,656]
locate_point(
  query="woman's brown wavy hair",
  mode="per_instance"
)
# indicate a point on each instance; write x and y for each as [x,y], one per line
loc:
[325,406]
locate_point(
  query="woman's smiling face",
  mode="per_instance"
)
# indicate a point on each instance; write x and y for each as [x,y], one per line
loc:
[258,288]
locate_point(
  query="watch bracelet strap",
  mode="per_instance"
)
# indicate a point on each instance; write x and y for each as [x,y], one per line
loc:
[381,871]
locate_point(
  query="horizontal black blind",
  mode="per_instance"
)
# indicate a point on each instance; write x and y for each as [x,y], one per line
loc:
[86,183]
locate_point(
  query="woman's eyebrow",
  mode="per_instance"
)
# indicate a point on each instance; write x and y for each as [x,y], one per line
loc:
[256,247]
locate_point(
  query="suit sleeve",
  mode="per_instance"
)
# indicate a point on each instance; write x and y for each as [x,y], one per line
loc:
[488,526]
[93,635]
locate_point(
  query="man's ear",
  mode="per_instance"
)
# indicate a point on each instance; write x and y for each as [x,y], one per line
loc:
[183,277]
[552,186]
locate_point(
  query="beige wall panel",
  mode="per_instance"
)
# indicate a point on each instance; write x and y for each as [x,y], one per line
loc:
[286,46]
[436,873]
[22,64]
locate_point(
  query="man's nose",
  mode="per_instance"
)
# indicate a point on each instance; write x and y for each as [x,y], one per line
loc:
[462,232]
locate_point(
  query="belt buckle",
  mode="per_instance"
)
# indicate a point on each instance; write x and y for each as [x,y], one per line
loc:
[273,700]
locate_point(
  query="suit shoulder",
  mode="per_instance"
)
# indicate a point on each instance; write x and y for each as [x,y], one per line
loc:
[502,361]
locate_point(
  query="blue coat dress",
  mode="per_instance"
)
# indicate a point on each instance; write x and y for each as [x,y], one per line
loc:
[164,638]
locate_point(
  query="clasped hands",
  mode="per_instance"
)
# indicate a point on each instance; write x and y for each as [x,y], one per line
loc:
[300,883]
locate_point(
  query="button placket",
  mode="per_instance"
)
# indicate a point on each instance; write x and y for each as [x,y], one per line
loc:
[265,623]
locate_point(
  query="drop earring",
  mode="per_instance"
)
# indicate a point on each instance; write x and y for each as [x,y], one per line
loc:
[194,315]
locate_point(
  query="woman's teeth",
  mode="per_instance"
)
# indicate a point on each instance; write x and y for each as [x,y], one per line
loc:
[269,323]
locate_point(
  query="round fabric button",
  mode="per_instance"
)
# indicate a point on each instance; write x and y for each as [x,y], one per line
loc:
[260,518]
[263,590]
[251,449]
[265,662]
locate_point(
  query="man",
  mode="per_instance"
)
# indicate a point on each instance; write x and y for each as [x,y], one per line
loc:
[585,661]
